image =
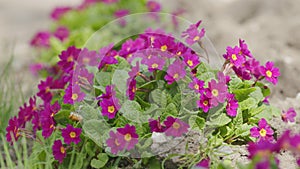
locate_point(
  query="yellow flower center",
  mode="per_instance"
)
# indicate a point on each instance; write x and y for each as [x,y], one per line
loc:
[269,73]
[263,132]
[175,76]
[196,38]
[190,63]
[62,150]
[154,65]
[111,109]
[215,92]
[116,142]
[163,48]
[233,56]
[74,96]
[205,102]
[70,58]
[176,125]
[72,134]
[196,86]
[127,137]
[47,89]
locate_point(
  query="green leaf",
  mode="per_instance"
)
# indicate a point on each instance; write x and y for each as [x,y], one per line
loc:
[132,111]
[243,94]
[62,117]
[258,110]
[235,83]
[159,97]
[119,79]
[207,76]
[243,130]
[95,129]
[103,78]
[265,89]
[88,112]
[238,119]
[196,122]
[257,95]
[217,118]
[248,104]
[100,162]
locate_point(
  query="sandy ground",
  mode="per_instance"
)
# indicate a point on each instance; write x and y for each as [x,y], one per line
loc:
[270,27]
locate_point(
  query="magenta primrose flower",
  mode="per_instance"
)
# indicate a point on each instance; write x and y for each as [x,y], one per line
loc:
[47,118]
[114,142]
[153,6]
[191,59]
[263,131]
[289,115]
[41,39]
[59,151]
[46,86]
[61,33]
[175,71]
[73,94]
[270,72]
[58,12]
[155,63]
[204,103]
[156,126]
[217,92]
[13,129]
[109,108]
[88,57]
[232,105]
[197,85]
[131,46]
[119,14]
[192,34]
[175,127]
[164,44]
[244,48]
[262,148]
[203,164]
[129,136]
[71,134]
[68,58]
[234,56]
[107,56]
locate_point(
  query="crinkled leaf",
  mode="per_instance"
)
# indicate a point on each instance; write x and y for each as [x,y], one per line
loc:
[100,162]
[119,79]
[248,104]
[243,94]
[103,79]
[62,117]
[257,94]
[243,130]
[131,110]
[159,97]
[95,129]
[196,122]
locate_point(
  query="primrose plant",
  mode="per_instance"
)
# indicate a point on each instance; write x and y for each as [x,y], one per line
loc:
[133,102]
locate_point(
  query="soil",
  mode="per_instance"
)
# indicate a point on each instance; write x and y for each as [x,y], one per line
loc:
[270,28]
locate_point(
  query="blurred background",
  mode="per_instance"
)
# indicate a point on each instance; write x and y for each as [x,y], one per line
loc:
[270,27]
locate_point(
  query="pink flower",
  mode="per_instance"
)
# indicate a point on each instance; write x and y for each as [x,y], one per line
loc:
[175,72]
[262,148]
[270,72]
[59,151]
[232,105]
[191,59]
[58,12]
[62,33]
[13,129]
[175,127]
[197,85]
[204,103]
[153,6]
[129,136]
[263,131]
[234,56]
[73,94]
[71,134]
[192,34]
[119,14]
[289,115]
[156,126]
[217,92]
[41,39]
[114,142]
[109,108]
[203,164]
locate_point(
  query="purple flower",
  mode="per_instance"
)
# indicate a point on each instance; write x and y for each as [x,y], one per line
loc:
[197,85]
[244,48]
[46,86]
[71,134]
[68,58]
[289,115]
[155,63]
[164,44]
[83,78]
[41,39]
[295,142]
[156,126]
[107,56]
[58,12]
[270,72]
[265,164]
[175,127]
[62,33]
[114,142]
[232,105]
[73,94]
[204,103]
[35,68]
[217,92]
[262,148]
[222,78]
[191,59]
[47,120]
[192,34]
[119,14]
[130,138]
[131,46]
[109,108]
[234,56]
[13,129]
[175,72]
[89,58]
[203,164]
[253,66]
[130,92]
[59,151]
[263,131]
[153,6]
[242,72]
[180,49]
[109,93]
